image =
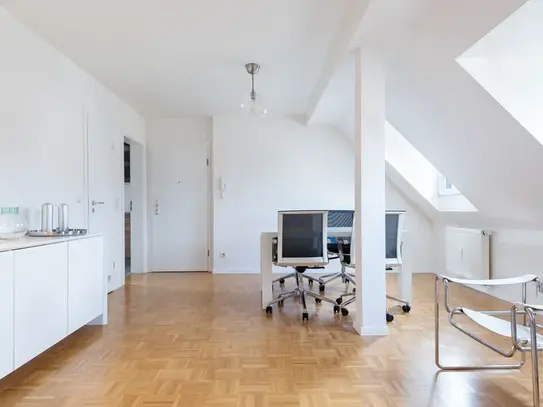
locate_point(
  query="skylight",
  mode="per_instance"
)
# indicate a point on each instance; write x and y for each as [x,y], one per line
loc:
[422,175]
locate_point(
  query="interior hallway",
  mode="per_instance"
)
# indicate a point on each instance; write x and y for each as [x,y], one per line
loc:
[189,340]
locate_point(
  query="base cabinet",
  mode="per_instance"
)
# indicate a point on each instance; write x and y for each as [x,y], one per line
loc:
[6,314]
[85,284]
[41,300]
[47,292]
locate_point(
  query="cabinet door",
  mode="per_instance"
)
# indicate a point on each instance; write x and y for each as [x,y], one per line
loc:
[6,313]
[41,299]
[85,282]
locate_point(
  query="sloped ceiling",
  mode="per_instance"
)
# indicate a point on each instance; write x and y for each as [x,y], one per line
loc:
[454,122]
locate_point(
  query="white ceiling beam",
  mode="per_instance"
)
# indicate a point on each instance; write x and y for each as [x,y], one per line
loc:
[339,47]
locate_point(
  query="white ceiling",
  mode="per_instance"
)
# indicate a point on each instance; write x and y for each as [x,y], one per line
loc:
[186,57]
[429,26]
[519,36]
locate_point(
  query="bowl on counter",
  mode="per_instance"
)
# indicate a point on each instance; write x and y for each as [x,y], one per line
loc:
[13,223]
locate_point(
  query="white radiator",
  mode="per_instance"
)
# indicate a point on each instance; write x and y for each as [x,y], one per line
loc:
[467,253]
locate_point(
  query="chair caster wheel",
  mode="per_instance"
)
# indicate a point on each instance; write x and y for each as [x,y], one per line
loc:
[336,309]
[339,301]
[269,309]
[305,316]
[281,303]
[390,317]
[282,281]
[318,300]
[406,308]
[322,287]
[344,312]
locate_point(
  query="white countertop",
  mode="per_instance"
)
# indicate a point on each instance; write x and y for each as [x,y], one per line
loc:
[26,242]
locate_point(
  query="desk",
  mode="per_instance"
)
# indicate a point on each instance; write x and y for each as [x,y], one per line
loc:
[267,275]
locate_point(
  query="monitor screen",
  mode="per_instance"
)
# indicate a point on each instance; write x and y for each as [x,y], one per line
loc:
[302,235]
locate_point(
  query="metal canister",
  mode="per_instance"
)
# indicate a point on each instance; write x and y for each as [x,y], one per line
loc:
[63,221]
[47,217]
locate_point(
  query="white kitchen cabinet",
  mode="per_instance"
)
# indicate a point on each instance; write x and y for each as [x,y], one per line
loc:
[6,314]
[85,282]
[41,299]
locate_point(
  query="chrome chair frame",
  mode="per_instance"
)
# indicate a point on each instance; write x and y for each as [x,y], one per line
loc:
[291,275]
[528,312]
[302,293]
[341,305]
[344,274]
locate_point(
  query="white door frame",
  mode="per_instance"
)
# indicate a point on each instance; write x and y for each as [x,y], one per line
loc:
[139,222]
[210,208]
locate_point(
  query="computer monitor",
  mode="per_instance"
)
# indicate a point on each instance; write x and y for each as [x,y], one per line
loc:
[301,238]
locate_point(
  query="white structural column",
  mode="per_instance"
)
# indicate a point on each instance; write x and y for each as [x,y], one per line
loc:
[369,231]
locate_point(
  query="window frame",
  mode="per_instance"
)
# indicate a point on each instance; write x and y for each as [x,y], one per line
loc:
[443,189]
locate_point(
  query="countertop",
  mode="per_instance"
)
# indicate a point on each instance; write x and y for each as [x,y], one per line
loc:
[27,242]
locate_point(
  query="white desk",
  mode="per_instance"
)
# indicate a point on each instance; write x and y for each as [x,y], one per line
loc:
[267,275]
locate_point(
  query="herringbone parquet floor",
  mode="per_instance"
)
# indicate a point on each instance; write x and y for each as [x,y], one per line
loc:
[195,340]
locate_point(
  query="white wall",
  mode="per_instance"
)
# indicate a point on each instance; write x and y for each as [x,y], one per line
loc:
[418,226]
[280,164]
[42,149]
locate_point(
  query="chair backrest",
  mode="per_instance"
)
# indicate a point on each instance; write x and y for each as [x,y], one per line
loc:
[340,224]
[339,220]
[302,238]
[394,221]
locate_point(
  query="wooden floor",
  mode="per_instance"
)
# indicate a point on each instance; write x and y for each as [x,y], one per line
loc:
[194,340]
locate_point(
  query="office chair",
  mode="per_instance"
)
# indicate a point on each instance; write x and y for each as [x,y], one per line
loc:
[344,248]
[523,337]
[301,244]
[393,254]
[340,224]
[281,280]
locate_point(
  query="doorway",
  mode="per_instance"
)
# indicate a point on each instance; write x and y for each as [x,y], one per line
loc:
[134,211]
[179,194]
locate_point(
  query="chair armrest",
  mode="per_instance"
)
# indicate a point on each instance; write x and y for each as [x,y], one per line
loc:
[527,278]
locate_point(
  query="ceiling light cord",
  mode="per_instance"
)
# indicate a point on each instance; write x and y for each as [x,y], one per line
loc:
[253,93]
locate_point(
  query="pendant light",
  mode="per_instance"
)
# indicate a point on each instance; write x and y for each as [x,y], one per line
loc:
[253,103]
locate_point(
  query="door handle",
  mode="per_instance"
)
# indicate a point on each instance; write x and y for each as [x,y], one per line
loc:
[94,203]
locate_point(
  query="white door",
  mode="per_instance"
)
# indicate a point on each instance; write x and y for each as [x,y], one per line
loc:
[179,199]
[105,182]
